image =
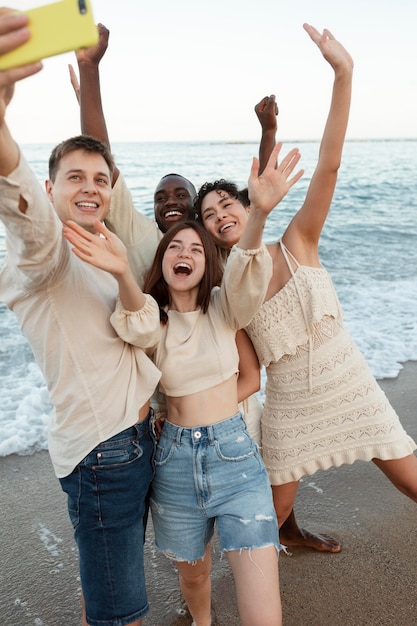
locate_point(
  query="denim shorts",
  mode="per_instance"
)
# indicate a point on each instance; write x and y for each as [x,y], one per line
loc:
[108,506]
[205,476]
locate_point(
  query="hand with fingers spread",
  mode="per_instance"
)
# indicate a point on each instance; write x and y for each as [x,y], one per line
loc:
[103,250]
[266,190]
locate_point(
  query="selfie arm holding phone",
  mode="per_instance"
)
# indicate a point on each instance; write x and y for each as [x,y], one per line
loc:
[13,34]
[54,29]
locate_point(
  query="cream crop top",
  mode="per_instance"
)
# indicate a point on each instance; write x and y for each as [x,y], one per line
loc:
[196,351]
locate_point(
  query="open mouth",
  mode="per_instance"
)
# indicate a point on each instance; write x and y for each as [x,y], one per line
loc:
[87,206]
[226,227]
[172,214]
[182,268]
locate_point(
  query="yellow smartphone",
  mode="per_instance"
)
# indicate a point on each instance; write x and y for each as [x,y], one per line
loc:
[55,28]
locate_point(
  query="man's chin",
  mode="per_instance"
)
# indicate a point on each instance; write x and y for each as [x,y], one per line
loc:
[167,223]
[88,225]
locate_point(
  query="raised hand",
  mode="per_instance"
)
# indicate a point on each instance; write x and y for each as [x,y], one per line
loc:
[267,111]
[104,250]
[93,55]
[266,190]
[331,49]
[13,33]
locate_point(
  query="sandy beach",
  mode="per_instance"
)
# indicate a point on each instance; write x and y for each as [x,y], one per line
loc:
[370,583]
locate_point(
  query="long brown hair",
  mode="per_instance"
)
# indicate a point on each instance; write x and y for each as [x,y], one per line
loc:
[155,283]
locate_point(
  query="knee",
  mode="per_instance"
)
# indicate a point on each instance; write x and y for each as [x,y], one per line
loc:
[194,575]
[194,580]
[282,509]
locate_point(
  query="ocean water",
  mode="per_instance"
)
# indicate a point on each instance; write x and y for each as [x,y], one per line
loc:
[369,246]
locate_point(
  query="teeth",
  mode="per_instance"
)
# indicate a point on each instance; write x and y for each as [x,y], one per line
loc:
[225,227]
[90,205]
[183,268]
[172,213]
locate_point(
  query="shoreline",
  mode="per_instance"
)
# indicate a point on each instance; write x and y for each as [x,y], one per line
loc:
[370,583]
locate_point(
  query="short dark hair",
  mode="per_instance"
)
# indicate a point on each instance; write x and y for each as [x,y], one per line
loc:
[218,185]
[80,142]
[180,176]
[155,282]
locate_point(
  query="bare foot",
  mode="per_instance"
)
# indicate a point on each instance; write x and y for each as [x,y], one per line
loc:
[306,539]
[290,534]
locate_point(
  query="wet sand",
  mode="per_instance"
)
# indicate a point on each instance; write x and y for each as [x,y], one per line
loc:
[370,583]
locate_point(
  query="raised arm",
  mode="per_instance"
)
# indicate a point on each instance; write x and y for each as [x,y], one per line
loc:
[266,190]
[105,251]
[13,33]
[267,111]
[88,90]
[303,234]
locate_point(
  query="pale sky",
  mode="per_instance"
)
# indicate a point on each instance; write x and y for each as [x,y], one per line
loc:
[194,71]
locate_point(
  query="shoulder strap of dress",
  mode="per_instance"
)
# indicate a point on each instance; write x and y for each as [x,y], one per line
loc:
[286,253]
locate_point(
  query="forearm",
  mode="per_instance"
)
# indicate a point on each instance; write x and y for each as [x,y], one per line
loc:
[131,296]
[251,238]
[335,130]
[266,145]
[93,122]
[9,151]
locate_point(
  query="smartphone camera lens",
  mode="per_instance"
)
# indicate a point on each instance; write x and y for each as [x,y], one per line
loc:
[82,7]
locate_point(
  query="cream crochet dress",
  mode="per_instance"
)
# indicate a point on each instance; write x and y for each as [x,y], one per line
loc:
[323,406]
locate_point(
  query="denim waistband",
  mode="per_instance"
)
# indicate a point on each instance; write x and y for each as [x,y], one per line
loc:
[204,433]
[140,428]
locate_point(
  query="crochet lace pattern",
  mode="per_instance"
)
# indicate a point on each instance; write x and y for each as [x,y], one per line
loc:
[323,406]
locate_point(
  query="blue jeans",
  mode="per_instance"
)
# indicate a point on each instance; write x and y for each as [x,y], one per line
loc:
[108,506]
[207,475]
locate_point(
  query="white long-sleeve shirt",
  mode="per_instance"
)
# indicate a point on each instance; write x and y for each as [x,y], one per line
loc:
[96,381]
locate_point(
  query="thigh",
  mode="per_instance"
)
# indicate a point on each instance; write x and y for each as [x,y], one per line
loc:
[402,473]
[107,503]
[257,586]
[182,528]
[244,510]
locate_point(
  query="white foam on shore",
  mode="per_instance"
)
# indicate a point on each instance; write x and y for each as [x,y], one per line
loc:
[368,245]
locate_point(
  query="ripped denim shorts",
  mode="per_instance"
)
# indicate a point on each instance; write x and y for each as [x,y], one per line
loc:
[207,476]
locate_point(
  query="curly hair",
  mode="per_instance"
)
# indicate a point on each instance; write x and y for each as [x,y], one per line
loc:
[218,185]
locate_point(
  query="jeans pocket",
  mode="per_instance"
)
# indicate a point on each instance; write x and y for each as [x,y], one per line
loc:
[125,454]
[71,485]
[236,446]
[165,450]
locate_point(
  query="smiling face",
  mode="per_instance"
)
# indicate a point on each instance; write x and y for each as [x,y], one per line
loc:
[184,261]
[173,201]
[224,217]
[81,190]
